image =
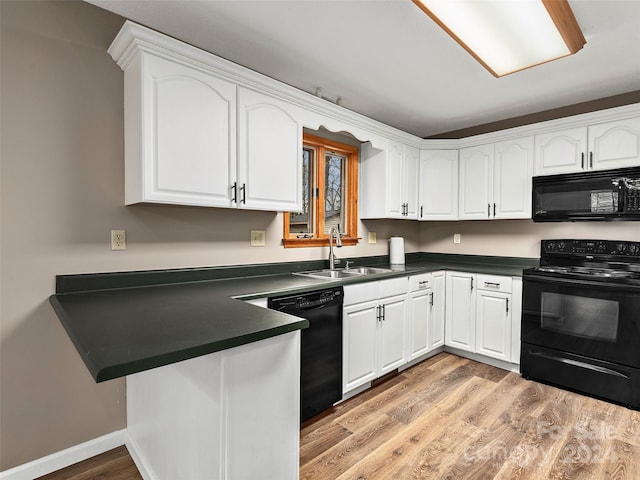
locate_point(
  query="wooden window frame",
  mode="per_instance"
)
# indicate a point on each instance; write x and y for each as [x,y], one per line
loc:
[320,239]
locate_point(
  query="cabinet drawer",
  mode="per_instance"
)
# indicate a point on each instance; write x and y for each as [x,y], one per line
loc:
[361,292]
[420,282]
[393,287]
[494,283]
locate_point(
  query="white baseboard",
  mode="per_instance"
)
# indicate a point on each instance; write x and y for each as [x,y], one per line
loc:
[145,472]
[512,367]
[56,461]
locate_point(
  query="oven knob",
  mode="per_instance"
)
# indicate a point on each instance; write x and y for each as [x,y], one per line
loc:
[621,248]
[561,246]
[634,249]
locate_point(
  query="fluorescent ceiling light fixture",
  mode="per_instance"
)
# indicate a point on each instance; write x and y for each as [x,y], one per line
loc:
[507,36]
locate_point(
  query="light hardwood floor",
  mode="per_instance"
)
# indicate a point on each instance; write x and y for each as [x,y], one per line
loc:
[453,418]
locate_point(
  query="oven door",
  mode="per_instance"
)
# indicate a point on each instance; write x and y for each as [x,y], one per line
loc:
[591,319]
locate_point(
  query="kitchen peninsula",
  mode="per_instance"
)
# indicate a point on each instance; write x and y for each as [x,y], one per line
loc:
[211,379]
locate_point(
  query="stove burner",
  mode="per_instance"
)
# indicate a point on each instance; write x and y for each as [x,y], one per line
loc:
[586,272]
[591,260]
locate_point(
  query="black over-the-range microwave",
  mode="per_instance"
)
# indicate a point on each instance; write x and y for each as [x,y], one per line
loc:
[596,195]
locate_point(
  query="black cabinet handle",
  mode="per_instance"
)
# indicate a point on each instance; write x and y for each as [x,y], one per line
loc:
[243,189]
[234,194]
[488,210]
[494,209]
[507,304]
[421,207]
[582,159]
[431,302]
[590,159]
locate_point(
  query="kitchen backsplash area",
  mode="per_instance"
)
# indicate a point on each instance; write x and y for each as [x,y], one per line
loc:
[515,238]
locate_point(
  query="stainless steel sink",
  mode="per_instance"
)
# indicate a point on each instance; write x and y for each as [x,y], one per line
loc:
[367,270]
[329,274]
[343,273]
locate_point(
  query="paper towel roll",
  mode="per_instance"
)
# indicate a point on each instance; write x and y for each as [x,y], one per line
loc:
[396,251]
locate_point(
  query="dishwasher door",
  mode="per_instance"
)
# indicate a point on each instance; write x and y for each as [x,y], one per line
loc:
[321,347]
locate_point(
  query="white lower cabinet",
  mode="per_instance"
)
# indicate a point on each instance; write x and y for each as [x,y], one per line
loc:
[460,323]
[483,315]
[493,317]
[438,301]
[374,319]
[425,323]
[390,323]
[418,334]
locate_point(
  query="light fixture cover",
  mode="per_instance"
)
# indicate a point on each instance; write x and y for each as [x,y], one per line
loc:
[507,36]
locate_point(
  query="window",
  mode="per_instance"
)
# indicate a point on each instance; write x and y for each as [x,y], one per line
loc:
[330,195]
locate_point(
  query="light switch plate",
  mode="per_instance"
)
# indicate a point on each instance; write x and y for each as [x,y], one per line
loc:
[456,238]
[372,237]
[258,238]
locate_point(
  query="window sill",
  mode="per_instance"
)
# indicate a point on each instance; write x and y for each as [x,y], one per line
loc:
[316,242]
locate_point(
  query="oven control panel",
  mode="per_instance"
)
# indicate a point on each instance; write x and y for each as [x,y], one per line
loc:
[590,247]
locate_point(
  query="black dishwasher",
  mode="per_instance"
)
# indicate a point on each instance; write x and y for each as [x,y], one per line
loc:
[321,347]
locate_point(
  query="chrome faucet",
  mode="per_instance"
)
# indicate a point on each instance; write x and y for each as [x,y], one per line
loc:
[332,258]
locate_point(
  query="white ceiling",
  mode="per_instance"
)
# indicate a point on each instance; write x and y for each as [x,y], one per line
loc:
[389,61]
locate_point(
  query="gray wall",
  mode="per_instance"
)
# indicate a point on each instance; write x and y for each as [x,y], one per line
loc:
[62,192]
[515,238]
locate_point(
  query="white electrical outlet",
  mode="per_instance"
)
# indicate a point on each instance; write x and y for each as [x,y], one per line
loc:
[118,239]
[456,238]
[372,237]
[258,238]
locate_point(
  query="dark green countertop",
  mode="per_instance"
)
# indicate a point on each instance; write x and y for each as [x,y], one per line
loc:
[124,323]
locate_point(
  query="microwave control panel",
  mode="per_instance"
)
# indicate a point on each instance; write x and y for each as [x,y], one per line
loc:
[633,201]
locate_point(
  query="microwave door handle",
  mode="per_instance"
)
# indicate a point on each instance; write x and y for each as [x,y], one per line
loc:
[622,192]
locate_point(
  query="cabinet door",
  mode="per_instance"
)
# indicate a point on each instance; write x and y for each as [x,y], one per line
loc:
[359,344]
[391,334]
[437,304]
[395,179]
[513,170]
[269,154]
[411,178]
[614,144]
[183,126]
[493,328]
[438,185]
[460,311]
[476,183]
[418,323]
[560,152]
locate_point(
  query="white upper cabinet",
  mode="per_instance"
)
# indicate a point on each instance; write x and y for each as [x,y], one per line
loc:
[182,125]
[512,173]
[180,137]
[476,182]
[614,144]
[411,170]
[389,181]
[195,136]
[269,153]
[438,190]
[495,180]
[602,146]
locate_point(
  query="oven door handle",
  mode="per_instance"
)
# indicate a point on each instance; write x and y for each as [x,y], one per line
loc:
[576,363]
